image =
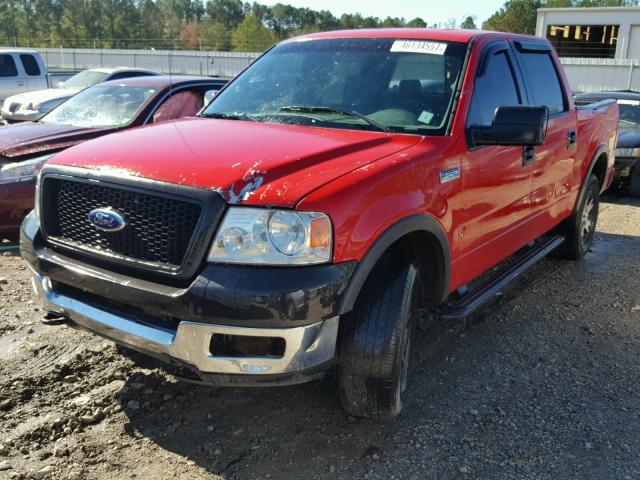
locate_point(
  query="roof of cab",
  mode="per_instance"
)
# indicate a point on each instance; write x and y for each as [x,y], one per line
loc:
[462,36]
[162,81]
[111,70]
[17,50]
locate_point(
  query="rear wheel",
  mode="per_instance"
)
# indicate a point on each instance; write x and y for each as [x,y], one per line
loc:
[375,341]
[634,181]
[580,228]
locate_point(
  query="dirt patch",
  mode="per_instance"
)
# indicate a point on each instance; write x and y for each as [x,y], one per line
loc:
[543,383]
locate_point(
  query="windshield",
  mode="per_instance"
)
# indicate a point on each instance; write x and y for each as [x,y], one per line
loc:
[402,86]
[629,113]
[101,106]
[85,79]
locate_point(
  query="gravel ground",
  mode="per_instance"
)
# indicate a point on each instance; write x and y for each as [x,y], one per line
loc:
[541,384]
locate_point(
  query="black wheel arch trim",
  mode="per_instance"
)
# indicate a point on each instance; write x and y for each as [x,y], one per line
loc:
[602,149]
[439,289]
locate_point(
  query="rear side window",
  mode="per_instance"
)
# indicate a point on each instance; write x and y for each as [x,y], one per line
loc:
[30,64]
[122,75]
[7,66]
[542,79]
[495,88]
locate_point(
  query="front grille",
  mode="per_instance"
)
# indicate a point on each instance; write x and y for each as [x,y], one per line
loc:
[159,228]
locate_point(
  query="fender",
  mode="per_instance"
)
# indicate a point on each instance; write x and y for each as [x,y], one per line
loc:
[415,223]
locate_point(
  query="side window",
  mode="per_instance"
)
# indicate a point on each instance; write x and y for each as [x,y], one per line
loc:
[185,103]
[542,79]
[30,64]
[121,75]
[7,66]
[496,87]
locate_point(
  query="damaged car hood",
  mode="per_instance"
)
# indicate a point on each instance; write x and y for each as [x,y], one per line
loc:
[251,163]
[27,139]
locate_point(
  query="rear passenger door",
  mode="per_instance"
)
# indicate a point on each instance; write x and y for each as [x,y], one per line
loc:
[496,180]
[35,78]
[552,163]
[11,82]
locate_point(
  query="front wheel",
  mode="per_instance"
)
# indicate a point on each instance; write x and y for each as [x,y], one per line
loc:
[580,228]
[375,341]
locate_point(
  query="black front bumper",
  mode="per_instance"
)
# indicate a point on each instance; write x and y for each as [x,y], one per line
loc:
[220,294]
[297,303]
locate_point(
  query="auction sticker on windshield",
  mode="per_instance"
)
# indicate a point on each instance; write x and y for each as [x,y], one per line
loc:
[414,46]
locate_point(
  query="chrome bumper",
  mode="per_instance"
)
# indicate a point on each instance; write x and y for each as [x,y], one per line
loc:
[305,347]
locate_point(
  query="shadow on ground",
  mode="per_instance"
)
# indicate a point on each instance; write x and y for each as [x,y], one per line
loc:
[541,383]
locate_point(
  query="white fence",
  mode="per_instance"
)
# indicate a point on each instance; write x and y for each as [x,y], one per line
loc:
[585,74]
[600,74]
[223,64]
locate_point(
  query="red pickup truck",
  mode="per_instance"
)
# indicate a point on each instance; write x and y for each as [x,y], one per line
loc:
[340,182]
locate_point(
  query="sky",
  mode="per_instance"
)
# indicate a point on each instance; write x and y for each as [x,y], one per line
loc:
[432,11]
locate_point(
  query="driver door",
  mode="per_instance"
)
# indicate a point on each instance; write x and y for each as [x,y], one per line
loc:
[496,180]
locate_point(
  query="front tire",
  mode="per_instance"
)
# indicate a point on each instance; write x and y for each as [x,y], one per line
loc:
[375,341]
[580,228]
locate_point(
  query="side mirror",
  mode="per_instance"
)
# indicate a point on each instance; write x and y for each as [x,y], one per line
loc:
[208,96]
[513,126]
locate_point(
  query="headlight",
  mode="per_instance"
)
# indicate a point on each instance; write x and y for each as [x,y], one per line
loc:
[19,171]
[272,237]
[627,152]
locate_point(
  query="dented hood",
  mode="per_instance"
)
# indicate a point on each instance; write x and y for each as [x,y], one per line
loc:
[32,138]
[251,163]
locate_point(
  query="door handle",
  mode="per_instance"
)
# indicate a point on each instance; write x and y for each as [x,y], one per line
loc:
[20,84]
[528,155]
[572,138]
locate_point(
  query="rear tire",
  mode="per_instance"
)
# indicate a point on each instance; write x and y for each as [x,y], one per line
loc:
[634,182]
[375,341]
[580,228]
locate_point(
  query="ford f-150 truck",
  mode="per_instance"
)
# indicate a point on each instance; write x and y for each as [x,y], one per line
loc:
[340,182]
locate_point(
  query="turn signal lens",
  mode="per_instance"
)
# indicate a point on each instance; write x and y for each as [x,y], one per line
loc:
[320,233]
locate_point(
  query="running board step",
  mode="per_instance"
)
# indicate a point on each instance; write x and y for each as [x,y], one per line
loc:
[471,301]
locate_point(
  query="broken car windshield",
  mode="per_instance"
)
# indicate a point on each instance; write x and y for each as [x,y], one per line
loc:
[404,86]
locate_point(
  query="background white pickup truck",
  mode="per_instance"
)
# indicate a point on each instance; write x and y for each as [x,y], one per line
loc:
[21,71]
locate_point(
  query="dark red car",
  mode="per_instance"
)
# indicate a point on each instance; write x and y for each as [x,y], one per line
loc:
[94,112]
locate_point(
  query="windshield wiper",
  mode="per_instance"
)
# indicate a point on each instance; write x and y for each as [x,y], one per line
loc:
[229,116]
[341,111]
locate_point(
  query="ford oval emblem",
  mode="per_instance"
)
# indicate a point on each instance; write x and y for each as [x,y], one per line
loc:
[107,219]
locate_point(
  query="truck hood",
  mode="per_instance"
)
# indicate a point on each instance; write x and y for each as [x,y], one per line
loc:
[628,138]
[27,139]
[252,163]
[40,96]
